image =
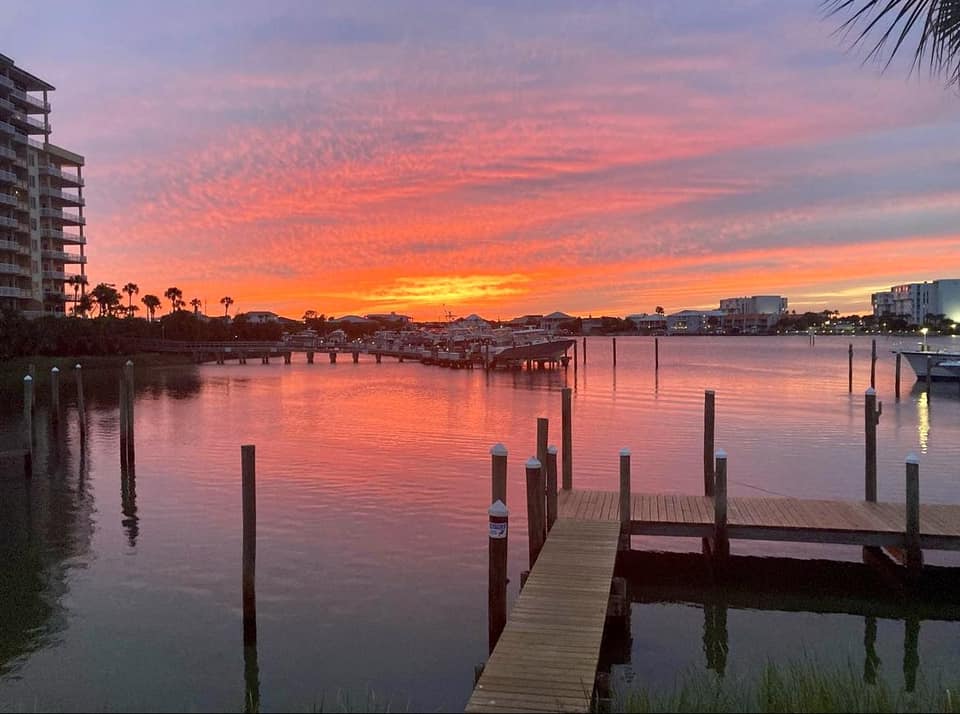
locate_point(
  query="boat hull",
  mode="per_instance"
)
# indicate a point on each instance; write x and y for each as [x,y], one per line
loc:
[944,366]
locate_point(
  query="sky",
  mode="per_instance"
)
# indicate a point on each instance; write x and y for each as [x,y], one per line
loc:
[502,158]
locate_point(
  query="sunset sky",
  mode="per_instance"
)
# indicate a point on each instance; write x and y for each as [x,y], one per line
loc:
[495,157]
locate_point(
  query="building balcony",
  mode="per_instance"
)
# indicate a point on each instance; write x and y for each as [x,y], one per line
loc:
[28,123]
[9,222]
[14,247]
[33,104]
[74,219]
[55,275]
[66,178]
[7,199]
[39,145]
[7,106]
[6,82]
[71,238]
[8,177]
[64,256]
[14,269]
[6,128]
[14,292]
[58,195]
[7,153]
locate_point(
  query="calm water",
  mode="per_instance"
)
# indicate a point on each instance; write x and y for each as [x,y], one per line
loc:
[373,484]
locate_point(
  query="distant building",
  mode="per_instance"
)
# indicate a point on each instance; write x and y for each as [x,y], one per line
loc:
[526,321]
[37,202]
[389,317]
[914,301]
[352,320]
[649,322]
[755,305]
[754,323]
[258,317]
[695,322]
[551,323]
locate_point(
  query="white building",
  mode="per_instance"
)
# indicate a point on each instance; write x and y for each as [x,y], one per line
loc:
[914,301]
[755,305]
[33,176]
[695,322]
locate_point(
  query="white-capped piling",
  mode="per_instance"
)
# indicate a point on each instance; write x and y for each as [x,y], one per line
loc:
[871,415]
[721,545]
[552,504]
[55,394]
[535,508]
[625,500]
[914,553]
[499,517]
[498,472]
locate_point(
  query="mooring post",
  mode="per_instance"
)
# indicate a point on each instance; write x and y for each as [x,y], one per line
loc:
[32,371]
[81,410]
[497,580]
[575,358]
[656,354]
[614,351]
[122,413]
[584,351]
[356,357]
[248,465]
[543,430]
[709,421]
[870,418]
[911,650]
[873,363]
[498,471]
[929,376]
[130,392]
[914,554]
[566,401]
[288,357]
[333,357]
[721,546]
[850,369]
[624,544]
[28,425]
[55,394]
[896,383]
[552,505]
[535,508]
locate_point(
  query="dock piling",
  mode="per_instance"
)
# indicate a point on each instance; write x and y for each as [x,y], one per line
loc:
[709,418]
[929,376]
[870,419]
[552,505]
[333,357]
[356,357]
[614,351]
[32,371]
[850,369]
[497,578]
[873,363]
[584,351]
[721,545]
[498,472]
[122,414]
[55,394]
[543,430]
[624,544]
[309,357]
[535,508]
[575,360]
[914,554]
[896,383]
[248,465]
[131,441]
[81,410]
[656,354]
[566,399]
[28,425]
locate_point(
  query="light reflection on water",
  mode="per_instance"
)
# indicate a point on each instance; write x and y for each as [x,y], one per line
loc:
[373,483]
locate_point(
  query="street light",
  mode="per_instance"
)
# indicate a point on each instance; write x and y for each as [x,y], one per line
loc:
[923,331]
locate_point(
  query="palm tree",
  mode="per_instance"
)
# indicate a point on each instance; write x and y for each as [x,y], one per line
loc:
[196,303]
[83,306]
[659,310]
[131,289]
[226,302]
[175,296]
[936,24]
[152,302]
[74,281]
[106,297]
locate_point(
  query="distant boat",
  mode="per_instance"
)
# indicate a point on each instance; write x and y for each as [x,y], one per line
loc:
[943,365]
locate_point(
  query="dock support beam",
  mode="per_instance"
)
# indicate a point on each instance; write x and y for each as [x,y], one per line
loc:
[356,357]
[566,399]
[309,357]
[584,351]
[248,464]
[721,545]
[497,578]
[535,508]
[625,500]
[914,554]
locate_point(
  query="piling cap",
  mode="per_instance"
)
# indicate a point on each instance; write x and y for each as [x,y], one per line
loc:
[624,451]
[28,378]
[552,449]
[129,363]
[912,458]
[55,369]
[499,508]
[498,450]
[533,463]
[871,392]
[720,454]
[77,366]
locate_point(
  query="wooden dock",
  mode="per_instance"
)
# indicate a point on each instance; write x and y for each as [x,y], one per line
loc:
[546,658]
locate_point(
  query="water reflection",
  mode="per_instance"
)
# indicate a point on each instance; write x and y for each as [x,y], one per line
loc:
[923,420]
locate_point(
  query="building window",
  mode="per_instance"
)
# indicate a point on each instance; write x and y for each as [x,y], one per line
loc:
[33,201]
[33,180]
[33,223]
[33,159]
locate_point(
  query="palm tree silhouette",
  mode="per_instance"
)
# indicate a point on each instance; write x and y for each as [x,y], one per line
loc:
[226,302]
[152,302]
[175,296]
[131,289]
[196,303]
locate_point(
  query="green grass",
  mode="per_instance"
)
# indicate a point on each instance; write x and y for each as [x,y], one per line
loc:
[802,687]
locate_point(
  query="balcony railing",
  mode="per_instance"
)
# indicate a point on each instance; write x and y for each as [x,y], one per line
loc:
[11,245]
[55,275]
[8,105]
[8,153]
[7,199]
[66,217]
[6,81]
[66,176]
[31,100]
[60,195]
[36,144]
[8,176]
[7,128]
[13,269]
[14,292]
[55,234]
[9,222]
[64,256]
[31,123]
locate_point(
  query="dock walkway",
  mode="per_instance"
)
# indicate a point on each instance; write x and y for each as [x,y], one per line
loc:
[546,658]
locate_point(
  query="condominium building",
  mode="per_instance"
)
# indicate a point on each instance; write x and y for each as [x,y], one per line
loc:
[41,202]
[914,301]
[755,305]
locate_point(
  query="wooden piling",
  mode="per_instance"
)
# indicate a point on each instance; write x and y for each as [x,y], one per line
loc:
[914,554]
[535,509]
[497,579]
[333,358]
[625,501]
[656,353]
[32,371]
[575,360]
[709,419]
[850,369]
[356,357]
[566,395]
[81,410]
[130,393]
[552,498]
[122,413]
[614,351]
[378,357]
[584,351]
[721,545]
[870,418]
[55,394]
[309,357]
[896,383]
[873,364]
[543,430]
[248,464]
[28,425]
[498,469]
[288,358]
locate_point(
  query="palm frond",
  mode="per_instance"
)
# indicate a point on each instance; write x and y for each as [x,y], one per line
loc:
[936,24]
